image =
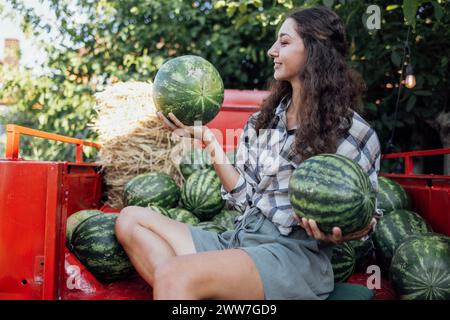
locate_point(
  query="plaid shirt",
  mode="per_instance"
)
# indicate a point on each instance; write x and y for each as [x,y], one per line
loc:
[266,163]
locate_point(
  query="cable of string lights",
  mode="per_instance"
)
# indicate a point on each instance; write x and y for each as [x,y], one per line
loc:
[405,61]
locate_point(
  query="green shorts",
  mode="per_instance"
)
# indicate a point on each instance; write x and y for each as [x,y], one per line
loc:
[291,267]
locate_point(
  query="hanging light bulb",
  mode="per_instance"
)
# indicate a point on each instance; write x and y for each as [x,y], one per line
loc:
[410,81]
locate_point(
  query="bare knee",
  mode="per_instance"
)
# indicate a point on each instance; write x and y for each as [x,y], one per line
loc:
[172,282]
[129,218]
[125,223]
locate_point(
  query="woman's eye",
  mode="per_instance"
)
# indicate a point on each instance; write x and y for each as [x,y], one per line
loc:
[283,43]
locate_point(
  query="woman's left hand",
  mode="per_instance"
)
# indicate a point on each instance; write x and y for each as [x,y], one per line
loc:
[336,236]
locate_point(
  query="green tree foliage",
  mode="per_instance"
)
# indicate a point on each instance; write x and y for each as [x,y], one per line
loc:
[99,42]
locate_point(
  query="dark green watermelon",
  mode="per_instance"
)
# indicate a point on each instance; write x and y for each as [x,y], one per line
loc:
[156,188]
[226,218]
[190,87]
[75,219]
[94,243]
[364,253]
[392,229]
[163,211]
[391,196]
[420,268]
[201,194]
[343,261]
[195,159]
[334,191]
[183,215]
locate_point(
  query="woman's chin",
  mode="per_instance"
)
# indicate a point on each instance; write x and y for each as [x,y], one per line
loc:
[277,77]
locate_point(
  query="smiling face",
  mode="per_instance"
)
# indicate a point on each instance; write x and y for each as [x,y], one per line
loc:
[288,53]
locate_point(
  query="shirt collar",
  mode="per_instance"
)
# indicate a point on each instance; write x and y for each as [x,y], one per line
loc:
[282,106]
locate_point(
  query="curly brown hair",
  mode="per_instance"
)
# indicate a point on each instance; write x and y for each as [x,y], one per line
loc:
[331,91]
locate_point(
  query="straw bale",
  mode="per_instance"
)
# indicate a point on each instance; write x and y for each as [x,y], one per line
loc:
[133,139]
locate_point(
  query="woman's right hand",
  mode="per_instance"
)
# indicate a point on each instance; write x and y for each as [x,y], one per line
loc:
[202,133]
[227,173]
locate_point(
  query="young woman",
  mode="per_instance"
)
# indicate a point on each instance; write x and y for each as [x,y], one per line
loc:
[271,254]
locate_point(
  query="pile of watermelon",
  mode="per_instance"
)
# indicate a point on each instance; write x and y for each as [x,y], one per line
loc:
[191,88]
[334,191]
[416,259]
[90,234]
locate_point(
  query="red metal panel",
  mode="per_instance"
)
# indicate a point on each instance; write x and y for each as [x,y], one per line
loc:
[429,194]
[237,107]
[84,187]
[29,213]
[79,284]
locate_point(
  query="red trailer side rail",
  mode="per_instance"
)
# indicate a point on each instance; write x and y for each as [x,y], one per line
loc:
[429,193]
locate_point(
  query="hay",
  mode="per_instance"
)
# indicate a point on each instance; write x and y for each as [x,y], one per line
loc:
[133,138]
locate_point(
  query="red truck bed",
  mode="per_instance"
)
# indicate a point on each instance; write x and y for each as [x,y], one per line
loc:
[38,196]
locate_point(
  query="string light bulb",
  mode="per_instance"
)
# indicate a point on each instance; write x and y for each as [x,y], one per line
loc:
[410,81]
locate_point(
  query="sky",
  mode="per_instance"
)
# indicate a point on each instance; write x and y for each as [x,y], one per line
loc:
[31,55]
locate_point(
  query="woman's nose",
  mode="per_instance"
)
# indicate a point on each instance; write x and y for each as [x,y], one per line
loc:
[272,52]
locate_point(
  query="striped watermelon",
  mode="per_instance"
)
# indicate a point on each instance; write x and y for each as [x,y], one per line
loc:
[391,195]
[163,211]
[75,219]
[195,159]
[364,252]
[420,268]
[334,191]
[183,215]
[226,218]
[189,87]
[94,243]
[156,188]
[201,194]
[343,261]
[211,226]
[392,230]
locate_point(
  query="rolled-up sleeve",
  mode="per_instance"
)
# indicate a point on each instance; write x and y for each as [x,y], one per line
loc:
[237,197]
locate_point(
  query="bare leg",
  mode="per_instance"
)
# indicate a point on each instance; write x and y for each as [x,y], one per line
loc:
[146,251]
[150,239]
[226,274]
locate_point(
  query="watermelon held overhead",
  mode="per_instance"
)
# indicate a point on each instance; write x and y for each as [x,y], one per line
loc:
[94,243]
[190,87]
[391,195]
[334,191]
[420,268]
[157,188]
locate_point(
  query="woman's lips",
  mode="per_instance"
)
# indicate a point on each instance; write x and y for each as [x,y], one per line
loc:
[276,65]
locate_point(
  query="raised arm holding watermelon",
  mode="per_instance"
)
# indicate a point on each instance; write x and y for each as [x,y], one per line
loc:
[307,152]
[225,170]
